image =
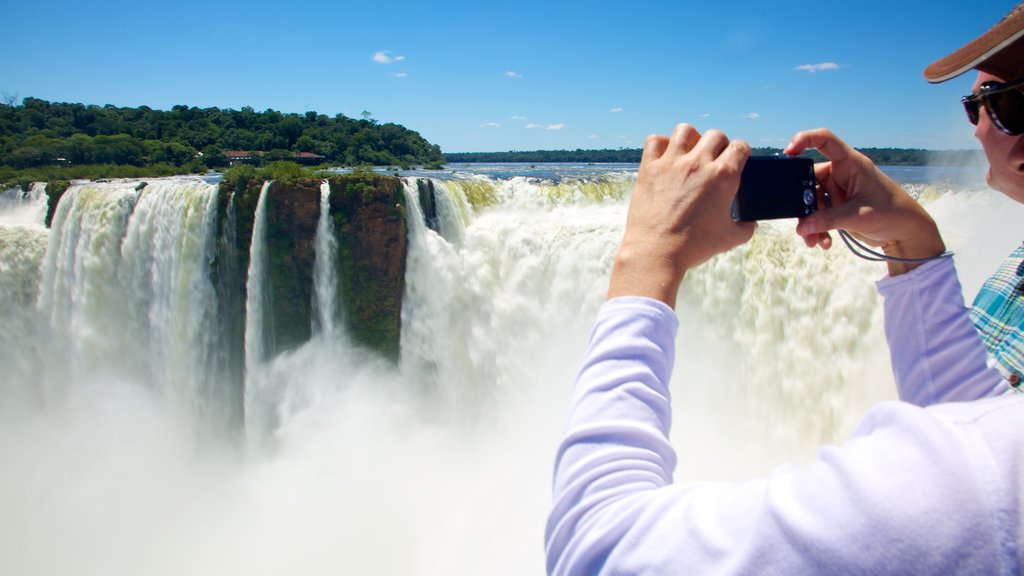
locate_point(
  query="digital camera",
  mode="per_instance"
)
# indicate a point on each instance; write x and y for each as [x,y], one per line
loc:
[775,187]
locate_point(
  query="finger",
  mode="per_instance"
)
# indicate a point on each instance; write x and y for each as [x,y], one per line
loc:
[812,239]
[822,239]
[822,172]
[712,144]
[736,154]
[820,222]
[654,147]
[684,138]
[823,140]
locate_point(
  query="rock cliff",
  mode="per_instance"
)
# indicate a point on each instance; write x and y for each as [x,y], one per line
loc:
[369,220]
[369,225]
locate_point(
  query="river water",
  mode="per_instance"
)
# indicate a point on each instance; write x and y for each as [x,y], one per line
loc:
[440,464]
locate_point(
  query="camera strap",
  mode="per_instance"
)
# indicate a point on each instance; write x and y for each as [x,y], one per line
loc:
[862,251]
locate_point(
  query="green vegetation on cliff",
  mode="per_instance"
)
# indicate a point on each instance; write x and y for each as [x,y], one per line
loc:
[369,222]
[57,139]
[370,229]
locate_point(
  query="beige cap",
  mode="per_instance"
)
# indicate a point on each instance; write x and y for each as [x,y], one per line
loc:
[999,51]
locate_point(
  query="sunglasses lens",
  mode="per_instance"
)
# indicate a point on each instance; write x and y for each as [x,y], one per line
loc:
[1008,107]
[971,107]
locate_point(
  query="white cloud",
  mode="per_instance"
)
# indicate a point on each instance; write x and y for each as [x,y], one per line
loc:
[400,75]
[533,125]
[386,57]
[521,118]
[594,137]
[706,115]
[616,110]
[512,74]
[751,116]
[812,68]
[490,125]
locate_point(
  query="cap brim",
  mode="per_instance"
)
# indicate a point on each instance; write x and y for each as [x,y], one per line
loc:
[995,50]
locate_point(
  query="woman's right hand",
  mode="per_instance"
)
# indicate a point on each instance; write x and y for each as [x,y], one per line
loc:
[866,203]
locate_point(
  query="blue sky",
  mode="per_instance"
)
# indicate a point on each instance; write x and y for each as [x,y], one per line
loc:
[525,75]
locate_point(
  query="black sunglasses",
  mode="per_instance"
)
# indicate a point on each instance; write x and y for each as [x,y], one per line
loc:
[1004,102]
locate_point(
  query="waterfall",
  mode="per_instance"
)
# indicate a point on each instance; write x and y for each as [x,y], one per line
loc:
[325,270]
[22,248]
[258,295]
[168,298]
[259,337]
[19,206]
[522,272]
[230,354]
[80,298]
[117,320]
[126,291]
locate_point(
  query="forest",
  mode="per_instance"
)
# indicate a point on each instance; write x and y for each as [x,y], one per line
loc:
[38,134]
[45,141]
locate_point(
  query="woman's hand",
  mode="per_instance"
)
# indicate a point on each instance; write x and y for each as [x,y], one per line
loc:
[866,203]
[679,215]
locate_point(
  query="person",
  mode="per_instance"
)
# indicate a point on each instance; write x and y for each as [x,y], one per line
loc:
[931,484]
[998,309]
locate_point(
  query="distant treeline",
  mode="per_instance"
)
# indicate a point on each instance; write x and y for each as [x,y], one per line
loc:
[38,133]
[880,156]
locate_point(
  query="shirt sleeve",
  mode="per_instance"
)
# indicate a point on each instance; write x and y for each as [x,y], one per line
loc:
[937,355]
[902,496]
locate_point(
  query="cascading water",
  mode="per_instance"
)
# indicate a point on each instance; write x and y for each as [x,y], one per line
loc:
[438,466]
[516,275]
[325,271]
[81,300]
[22,248]
[126,292]
[168,298]
[24,206]
[258,415]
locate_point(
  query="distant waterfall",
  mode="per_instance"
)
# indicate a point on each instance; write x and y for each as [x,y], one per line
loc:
[325,271]
[24,206]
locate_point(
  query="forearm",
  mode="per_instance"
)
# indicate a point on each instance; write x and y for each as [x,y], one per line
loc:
[936,353]
[616,440]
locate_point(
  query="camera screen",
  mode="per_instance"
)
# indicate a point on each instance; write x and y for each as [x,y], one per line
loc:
[775,187]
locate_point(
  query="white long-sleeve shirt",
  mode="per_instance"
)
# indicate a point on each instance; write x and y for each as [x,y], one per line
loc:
[919,487]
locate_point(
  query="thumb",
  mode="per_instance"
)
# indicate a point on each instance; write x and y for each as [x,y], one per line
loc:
[826,219]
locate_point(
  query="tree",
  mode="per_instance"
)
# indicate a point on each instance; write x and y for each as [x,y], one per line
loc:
[44,131]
